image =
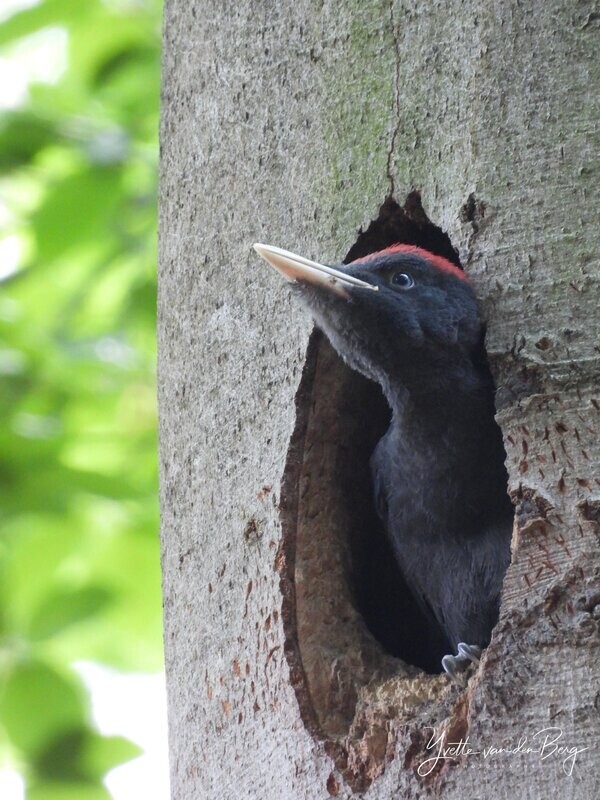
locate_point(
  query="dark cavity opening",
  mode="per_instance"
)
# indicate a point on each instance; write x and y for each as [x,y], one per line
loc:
[350,620]
[379,589]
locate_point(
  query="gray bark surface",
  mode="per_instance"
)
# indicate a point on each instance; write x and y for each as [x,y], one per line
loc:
[290,123]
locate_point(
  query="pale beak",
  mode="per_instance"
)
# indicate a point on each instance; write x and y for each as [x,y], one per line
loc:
[297,268]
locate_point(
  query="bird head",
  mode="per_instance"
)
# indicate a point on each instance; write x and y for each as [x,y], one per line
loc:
[399,306]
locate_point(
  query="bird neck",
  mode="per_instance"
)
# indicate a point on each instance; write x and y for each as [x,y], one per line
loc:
[429,397]
[443,427]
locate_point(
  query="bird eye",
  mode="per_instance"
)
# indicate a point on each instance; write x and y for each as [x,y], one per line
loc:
[402,280]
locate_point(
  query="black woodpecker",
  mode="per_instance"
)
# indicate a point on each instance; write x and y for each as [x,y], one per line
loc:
[410,321]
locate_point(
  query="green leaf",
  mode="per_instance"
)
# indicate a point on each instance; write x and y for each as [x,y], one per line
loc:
[79,555]
[103,753]
[46,13]
[61,223]
[37,546]
[123,58]
[63,608]
[82,755]
[37,702]
[22,136]
[67,791]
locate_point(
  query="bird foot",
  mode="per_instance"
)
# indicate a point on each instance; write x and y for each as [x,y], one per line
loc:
[456,666]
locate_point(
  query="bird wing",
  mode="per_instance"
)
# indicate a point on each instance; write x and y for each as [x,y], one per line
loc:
[426,619]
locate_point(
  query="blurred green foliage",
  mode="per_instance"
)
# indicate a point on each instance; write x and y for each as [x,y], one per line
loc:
[79,559]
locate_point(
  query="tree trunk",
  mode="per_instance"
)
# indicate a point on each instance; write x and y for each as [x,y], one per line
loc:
[290,123]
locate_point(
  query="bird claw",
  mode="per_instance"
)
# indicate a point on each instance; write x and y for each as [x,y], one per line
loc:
[456,666]
[470,651]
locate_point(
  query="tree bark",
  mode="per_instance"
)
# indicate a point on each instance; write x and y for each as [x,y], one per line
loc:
[291,123]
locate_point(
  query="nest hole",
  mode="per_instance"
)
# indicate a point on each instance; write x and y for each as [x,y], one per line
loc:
[350,619]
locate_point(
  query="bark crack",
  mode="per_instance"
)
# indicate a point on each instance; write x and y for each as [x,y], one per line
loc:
[396,102]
